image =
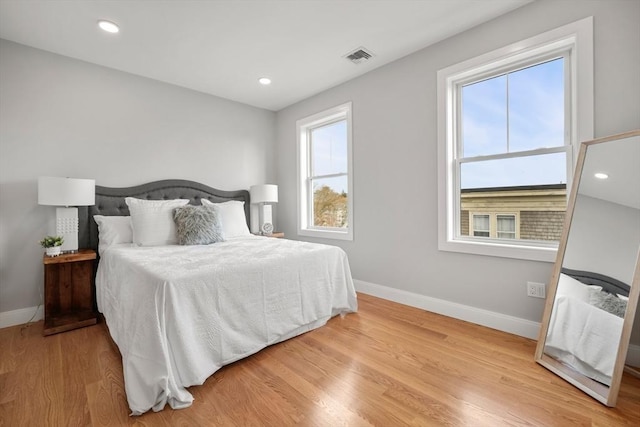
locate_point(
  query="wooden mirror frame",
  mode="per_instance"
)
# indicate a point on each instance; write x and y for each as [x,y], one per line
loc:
[595,389]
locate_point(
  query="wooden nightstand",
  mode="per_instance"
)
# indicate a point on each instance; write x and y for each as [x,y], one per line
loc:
[276,234]
[68,291]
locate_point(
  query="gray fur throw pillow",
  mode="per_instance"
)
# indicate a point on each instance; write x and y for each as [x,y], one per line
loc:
[197,225]
[608,302]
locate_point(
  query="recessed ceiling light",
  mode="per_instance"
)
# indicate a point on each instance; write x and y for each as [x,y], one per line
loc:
[264,81]
[108,26]
[601,175]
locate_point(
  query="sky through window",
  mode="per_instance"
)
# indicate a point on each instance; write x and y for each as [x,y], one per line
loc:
[515,112]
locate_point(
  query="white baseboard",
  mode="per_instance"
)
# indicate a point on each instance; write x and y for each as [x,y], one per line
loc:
[20,316]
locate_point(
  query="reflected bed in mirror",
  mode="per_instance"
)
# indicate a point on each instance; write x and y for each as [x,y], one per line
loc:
[588,314]
[594,287]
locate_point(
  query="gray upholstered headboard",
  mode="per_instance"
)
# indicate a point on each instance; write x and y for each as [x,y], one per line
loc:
[609,284]
[110,201]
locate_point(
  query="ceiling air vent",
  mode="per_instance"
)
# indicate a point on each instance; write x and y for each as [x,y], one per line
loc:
[359,55]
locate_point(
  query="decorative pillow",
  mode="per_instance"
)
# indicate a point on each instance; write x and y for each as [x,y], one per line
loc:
[232,218]
[609,303]
[197,225]
[113,230]
[152,221]
[623,297]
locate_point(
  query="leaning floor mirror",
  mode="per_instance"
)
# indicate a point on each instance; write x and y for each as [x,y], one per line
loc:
[594,287]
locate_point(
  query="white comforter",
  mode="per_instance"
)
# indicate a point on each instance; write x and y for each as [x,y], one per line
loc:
[584,337]
[180,313]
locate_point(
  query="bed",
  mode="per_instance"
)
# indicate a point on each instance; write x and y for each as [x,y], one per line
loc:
[586,322]
[178,313]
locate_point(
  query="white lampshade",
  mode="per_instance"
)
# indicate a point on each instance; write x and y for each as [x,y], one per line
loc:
[69,192]
[54,191]
[266,193]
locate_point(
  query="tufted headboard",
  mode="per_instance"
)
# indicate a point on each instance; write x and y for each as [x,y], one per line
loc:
[110,201]
[609,284]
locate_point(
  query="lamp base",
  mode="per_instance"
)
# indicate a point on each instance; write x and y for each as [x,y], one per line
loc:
[67,227]
[266,222]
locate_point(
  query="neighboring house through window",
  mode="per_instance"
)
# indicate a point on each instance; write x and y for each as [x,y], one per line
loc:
[325,193]
[509,122]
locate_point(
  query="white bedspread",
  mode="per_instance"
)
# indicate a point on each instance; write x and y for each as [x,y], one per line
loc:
[180,313]
[584,337]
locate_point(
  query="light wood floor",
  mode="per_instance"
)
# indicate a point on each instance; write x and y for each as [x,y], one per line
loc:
[388,365]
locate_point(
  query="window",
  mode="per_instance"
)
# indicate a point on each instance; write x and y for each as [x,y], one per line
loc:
[481,226]
[508,127]
[506,226]
[501,226]
[325,195]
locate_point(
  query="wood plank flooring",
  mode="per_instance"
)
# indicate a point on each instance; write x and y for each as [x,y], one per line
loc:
[387,365]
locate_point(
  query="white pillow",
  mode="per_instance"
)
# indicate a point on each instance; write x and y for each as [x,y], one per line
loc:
[152,221]
[623,297]
[569,286]
[113,230]
[232,218]
[594,291]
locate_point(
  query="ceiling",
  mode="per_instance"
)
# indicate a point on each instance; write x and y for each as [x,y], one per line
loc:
[620,160]
[222,47]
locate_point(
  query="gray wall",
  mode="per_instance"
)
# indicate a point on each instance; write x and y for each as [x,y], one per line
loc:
[63,117]
[394,146]
[604,238]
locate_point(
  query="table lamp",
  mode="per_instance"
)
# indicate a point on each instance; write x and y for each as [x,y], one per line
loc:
[262,195]
[67,192]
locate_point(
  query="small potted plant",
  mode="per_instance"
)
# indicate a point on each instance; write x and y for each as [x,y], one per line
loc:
[52,245]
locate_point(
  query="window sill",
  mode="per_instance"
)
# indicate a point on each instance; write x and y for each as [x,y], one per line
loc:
[526,252]
[326,234]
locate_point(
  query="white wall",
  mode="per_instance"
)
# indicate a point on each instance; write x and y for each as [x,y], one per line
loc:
[395,170]
[63,117]
[604,238]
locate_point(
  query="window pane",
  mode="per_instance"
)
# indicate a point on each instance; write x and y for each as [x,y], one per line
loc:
[481,225]
[330,202]
[329,149]
[532,186]
[506,227]
[536,106]
[532,116]
[543,169]
[484,117]
[507,223]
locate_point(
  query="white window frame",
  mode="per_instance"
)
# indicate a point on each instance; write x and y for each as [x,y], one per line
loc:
[305,192]
[576,41]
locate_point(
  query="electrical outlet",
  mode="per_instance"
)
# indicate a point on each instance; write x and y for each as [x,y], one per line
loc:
[536,290]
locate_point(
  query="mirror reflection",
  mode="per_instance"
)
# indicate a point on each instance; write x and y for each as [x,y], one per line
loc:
[594,277]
